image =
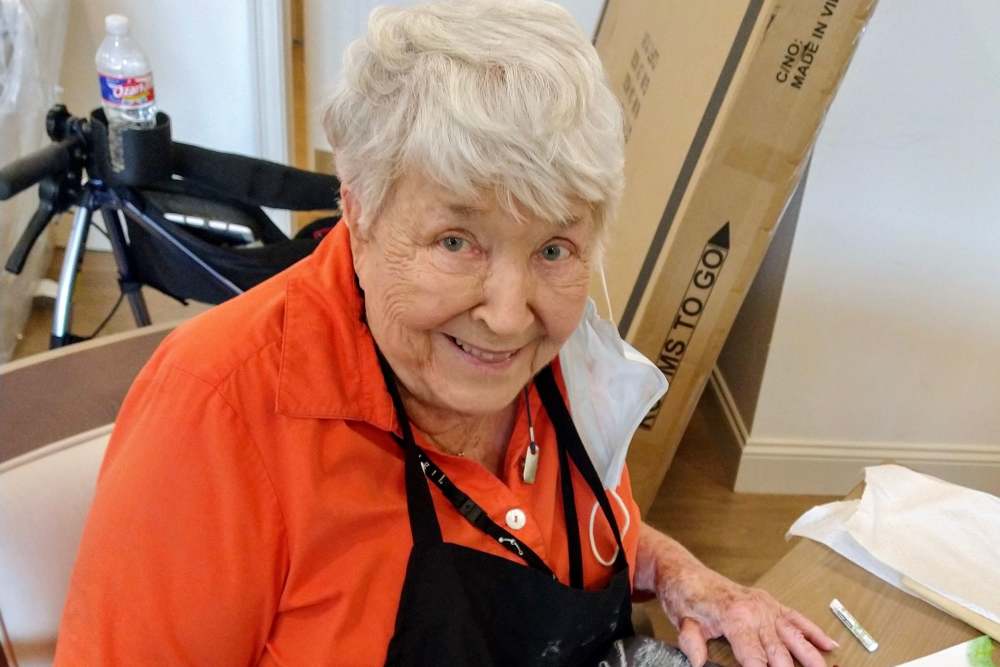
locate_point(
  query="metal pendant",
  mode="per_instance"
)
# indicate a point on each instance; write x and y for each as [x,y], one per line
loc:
[530,464]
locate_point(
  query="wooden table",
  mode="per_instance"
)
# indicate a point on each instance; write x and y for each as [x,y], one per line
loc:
[56,394]
[906,628]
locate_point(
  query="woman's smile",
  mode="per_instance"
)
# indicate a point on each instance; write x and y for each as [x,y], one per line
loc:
[482,358]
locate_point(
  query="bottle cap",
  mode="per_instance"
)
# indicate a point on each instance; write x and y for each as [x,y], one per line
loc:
[116,24]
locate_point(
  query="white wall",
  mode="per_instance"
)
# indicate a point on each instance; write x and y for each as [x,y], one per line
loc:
[214,71]
[331,26]
[203,65]
[887,337]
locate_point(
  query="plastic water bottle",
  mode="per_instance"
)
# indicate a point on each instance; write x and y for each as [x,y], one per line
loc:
[126,80]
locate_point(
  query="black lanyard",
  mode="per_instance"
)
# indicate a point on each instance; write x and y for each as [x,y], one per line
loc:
[476,516]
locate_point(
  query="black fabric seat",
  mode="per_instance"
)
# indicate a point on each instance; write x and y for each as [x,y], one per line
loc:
[204,235]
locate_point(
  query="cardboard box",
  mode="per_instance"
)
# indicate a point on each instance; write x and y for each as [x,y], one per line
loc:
[723,102]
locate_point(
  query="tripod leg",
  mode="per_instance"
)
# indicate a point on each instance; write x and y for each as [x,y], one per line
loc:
[63,310]
[131,288]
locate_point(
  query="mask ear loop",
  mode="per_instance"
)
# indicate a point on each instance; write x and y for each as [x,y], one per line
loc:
[593,542]
[614,494]
[607,294]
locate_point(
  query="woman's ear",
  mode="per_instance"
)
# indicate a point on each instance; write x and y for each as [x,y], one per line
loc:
[350,209]
[351,216]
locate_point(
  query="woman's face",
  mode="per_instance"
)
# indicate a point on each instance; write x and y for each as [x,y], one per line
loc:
[466,302]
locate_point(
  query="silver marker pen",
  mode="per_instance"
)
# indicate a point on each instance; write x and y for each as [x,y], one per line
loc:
[852,624]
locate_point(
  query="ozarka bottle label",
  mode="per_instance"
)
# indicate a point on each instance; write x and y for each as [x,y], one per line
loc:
[132,92]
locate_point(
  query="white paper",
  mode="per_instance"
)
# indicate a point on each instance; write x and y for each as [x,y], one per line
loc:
[941,535]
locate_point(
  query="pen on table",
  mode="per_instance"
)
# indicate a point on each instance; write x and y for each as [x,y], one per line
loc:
[851,623]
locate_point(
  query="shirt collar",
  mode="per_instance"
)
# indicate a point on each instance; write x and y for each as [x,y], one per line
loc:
[329,366]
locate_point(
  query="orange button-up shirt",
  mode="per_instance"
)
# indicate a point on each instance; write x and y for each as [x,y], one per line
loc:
[251,508]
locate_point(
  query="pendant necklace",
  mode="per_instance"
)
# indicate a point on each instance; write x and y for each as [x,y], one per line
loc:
[531,458]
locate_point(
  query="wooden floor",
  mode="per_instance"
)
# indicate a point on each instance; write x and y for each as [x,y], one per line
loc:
[740,535]
[95,295]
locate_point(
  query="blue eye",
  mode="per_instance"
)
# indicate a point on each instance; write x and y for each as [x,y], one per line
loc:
[452,243]
[554,252]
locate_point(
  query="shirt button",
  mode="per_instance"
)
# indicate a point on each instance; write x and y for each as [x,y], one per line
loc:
[515,519]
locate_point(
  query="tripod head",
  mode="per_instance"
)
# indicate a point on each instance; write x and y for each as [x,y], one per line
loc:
[57,168]
[63,157]
[151,159]
[80,144]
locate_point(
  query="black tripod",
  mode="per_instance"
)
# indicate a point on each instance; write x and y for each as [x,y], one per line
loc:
[60,190]
[203,236]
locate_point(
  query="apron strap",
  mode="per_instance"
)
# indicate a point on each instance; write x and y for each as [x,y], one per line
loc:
[569,438]
[572,523]
[424,525]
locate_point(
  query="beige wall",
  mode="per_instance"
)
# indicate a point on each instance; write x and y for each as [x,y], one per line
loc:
[206,70]
[740,368]
[886,342]
[202,57]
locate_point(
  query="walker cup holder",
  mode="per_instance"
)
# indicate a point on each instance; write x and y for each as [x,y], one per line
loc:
[147,152]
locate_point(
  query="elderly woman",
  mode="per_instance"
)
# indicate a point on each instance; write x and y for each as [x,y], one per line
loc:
[370,458]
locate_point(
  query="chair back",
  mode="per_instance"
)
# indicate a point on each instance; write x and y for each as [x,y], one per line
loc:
[44,499]
[56,413]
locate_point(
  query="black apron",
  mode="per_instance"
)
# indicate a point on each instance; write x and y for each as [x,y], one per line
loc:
[460,606]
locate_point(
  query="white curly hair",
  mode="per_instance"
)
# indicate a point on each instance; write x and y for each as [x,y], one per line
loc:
[502,95]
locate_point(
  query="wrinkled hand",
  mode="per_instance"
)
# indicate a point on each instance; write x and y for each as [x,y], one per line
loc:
[704,605]
[760,630]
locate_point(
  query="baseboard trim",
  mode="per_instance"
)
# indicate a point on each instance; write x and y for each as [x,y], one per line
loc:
[729,408]
[728,429]
[834,468]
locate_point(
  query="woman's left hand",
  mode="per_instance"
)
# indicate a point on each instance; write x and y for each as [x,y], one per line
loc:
[704,605]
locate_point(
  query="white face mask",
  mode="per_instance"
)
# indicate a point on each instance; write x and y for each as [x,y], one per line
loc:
[611,387]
